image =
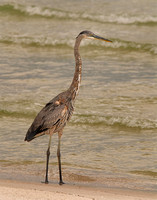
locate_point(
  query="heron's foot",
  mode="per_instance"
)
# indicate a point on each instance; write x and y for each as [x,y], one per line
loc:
[46,182]
[61,183]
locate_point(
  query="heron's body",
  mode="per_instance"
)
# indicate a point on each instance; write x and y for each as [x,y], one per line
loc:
[54,116]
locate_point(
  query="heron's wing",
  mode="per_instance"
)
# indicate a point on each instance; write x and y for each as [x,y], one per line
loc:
[46,119]
[52,115]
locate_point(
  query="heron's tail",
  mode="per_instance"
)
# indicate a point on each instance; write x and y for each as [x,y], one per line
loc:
[30,135]
[28,139]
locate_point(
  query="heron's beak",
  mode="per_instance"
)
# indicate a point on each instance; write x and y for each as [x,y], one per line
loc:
[100,38]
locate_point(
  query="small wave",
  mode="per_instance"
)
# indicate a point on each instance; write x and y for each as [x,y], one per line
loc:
[133,46]
[42,41]
[114,121]
[16,114]
[126,19]
[35,11]
[93,120]
[35,42]
[44,12]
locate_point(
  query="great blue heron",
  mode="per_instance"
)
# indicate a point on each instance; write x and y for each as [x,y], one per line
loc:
[54,116]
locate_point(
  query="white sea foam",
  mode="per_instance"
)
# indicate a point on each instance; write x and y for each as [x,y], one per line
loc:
[47,41]
[126,19]
[113,18]
[116,121]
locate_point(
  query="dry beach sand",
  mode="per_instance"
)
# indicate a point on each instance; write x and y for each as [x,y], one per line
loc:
[18,190]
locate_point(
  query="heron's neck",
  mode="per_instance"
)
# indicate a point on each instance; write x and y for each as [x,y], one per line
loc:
[74,88]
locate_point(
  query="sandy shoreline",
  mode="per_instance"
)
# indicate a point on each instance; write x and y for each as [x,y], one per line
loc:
[18,190]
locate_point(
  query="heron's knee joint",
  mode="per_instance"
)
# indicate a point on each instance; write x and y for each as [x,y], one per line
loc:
[48,152]
[58,154]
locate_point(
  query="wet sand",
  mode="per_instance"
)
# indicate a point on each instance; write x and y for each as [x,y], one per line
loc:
[19,190]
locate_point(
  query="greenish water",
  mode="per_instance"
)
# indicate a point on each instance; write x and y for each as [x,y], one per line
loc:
[113,132]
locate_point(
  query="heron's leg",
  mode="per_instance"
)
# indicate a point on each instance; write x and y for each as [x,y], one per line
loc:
[59,159]
[47,160]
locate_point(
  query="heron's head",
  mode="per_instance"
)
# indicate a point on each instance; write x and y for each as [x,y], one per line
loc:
[90,35]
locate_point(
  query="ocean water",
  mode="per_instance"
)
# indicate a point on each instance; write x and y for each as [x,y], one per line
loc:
[111,139]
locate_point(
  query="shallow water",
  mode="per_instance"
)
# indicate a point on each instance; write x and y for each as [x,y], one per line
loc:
[113,132]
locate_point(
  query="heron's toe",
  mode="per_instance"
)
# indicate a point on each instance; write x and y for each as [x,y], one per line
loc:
[61,183]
